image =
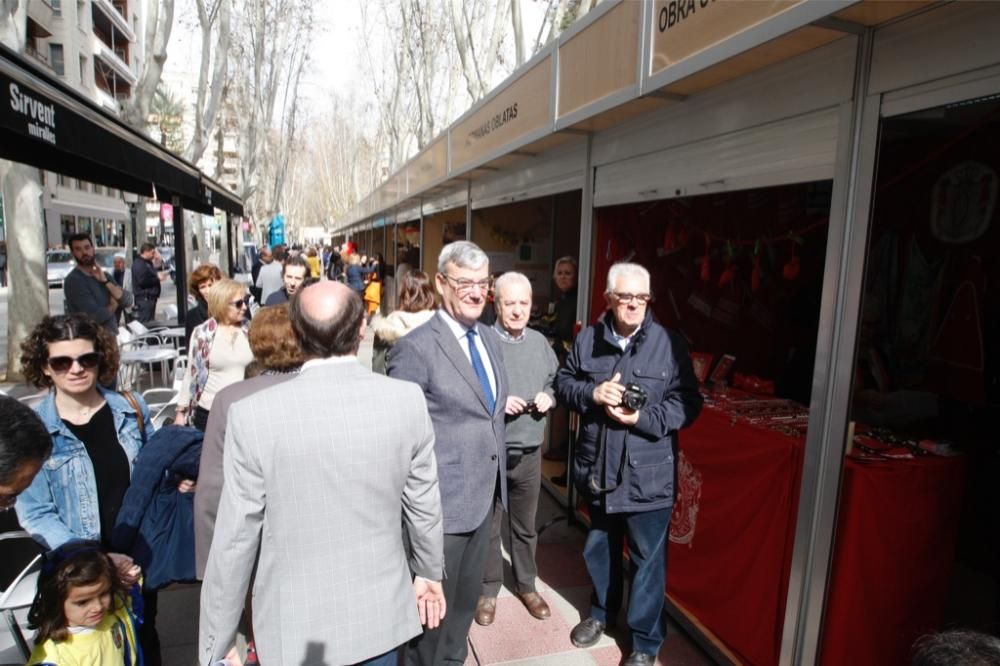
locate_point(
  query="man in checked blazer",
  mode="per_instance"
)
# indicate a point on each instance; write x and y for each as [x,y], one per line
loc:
[318,472]
[458,364]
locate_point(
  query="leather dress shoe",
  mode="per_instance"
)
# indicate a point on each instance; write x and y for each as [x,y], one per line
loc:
[640,659]
[535,605]
[587,633]
[486,611]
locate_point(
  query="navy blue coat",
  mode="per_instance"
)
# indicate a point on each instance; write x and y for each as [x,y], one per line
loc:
[658,361]
[355,276]
[155,525]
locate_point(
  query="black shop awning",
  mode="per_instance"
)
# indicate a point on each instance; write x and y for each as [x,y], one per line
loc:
[46,124]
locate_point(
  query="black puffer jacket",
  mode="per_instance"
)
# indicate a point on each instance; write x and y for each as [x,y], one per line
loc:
[658,361]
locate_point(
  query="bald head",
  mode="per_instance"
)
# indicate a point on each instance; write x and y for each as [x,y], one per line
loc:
[328,319]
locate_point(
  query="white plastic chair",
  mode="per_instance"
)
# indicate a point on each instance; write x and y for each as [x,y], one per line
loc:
[19,595]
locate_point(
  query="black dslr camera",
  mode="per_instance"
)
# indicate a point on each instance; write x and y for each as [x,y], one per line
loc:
[634,397]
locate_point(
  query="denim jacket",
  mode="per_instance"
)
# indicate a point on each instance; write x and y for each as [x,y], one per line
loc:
[61,503]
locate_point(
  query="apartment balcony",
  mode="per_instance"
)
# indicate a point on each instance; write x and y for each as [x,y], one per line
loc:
[114,59]
[41,12]
[109,12]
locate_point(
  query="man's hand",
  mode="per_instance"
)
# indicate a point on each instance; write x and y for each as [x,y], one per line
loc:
[180,418]
[128,570]
[609,393]
[431,605]
[93,271]
[543,402]
[623,415]
[233,658]
[186,486]
[515,405]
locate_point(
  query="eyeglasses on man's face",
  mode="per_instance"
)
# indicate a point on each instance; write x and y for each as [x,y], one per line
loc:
[464,286]
[625,297]
[87,361]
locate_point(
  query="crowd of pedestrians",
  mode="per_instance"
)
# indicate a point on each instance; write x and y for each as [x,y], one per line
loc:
[305,460]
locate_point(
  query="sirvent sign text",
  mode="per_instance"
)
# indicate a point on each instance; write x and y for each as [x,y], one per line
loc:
[41,116]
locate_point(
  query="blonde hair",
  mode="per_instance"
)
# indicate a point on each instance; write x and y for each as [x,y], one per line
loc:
[221,294]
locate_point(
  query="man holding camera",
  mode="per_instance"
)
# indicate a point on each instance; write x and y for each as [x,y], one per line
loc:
[531,370]
[632,382]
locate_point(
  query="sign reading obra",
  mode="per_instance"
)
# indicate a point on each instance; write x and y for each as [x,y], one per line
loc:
[686,27]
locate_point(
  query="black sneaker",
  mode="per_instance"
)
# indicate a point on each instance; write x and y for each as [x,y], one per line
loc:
[640,659]
[587,633]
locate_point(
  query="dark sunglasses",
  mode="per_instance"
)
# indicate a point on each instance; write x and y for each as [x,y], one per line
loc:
[243,302]
[87,361]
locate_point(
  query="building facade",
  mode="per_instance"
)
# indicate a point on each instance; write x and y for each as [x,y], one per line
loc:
[95,47]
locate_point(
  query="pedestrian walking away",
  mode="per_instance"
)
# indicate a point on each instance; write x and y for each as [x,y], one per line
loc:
[287,499]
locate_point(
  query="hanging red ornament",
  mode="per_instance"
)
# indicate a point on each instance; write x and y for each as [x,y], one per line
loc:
[729,272]
[682,237]
[670,238]
[706,264]
[755,273]
[727,275]
[791,269]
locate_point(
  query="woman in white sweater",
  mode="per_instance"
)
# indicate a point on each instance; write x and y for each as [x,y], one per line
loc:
[218,354]
[416,306]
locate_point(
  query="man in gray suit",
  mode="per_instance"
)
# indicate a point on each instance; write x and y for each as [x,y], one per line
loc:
[458,364]
[318,471]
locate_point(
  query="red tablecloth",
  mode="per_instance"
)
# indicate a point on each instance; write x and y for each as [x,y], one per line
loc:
[737,507]
[733,531]
[892,558]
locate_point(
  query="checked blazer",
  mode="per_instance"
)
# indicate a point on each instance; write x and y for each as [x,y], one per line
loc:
[320,472]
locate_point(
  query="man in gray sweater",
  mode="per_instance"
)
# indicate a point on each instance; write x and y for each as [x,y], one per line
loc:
[531,369]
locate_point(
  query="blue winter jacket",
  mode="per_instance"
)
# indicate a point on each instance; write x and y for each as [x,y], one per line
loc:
[60,505]
[658,361]
[155,525]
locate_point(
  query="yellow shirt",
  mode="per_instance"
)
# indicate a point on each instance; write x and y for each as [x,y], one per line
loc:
[104,646]
[314,266]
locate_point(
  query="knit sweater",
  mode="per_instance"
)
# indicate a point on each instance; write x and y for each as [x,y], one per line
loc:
[531,367]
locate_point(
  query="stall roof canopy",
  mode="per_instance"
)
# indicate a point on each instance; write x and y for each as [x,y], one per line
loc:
[624,59]
[46,124]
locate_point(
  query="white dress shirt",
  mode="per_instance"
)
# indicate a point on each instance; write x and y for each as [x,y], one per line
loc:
[459,331]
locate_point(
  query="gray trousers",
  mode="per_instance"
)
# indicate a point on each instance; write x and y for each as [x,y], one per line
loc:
[524,481]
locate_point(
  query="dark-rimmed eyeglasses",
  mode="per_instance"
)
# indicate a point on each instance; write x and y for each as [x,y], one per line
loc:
[87,361]
[625,297]
[464,286]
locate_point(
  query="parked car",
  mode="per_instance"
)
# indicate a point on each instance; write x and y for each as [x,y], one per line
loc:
[105,257]
[58,264]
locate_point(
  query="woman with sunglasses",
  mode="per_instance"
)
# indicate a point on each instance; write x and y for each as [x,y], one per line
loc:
[218,353]
[96,435]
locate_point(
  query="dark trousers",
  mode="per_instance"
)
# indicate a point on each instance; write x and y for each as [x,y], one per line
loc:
[199,419]
[390,658]
[647,549]
[464,558]
[524,480]
[149,639]
[145,309]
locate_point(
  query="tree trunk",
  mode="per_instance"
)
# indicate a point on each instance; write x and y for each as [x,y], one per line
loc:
[159,23]
[28,288]
[209,96]
[516,21]
[28,294]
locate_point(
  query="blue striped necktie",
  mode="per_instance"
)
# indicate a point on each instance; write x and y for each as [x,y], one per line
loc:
[477,365]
